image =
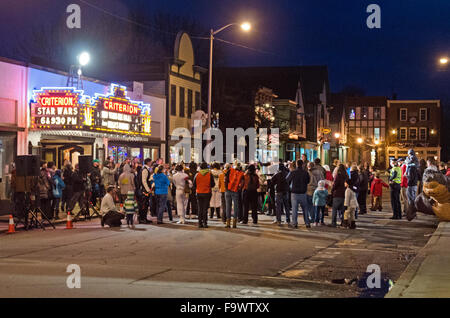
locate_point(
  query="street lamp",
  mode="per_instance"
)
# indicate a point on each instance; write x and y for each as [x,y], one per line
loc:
[246,26]
[84,58]
[360,140]
[443,60]
[337,135]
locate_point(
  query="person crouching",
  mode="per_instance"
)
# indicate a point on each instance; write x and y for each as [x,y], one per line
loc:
[130,207]
[110,215]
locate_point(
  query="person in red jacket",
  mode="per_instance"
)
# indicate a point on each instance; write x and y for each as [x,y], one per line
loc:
[203,184]
[377,192]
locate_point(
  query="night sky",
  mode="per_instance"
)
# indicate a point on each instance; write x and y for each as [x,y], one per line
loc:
[400,57]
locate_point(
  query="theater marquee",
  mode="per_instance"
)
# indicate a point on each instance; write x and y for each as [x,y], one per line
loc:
[67,108]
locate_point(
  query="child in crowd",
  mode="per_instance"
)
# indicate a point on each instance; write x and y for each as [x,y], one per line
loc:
[319,201]
[350,206]
[377,192]
[130,207]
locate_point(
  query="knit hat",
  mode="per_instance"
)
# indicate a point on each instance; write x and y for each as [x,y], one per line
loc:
[321,185]
[96,161]
[130,195]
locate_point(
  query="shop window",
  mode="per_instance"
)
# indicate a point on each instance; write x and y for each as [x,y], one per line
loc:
[189,111]
[182,102]
[173,100]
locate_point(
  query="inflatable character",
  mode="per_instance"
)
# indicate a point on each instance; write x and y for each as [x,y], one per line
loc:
[435,198]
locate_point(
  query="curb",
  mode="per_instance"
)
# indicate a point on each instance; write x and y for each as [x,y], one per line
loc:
[403,283]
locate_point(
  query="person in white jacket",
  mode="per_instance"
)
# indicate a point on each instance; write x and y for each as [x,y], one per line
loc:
[350,206]
[181,180]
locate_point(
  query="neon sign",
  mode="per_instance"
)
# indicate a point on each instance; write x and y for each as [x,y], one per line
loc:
[67,108]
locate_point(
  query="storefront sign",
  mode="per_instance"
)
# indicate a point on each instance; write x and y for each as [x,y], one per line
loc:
[67,108]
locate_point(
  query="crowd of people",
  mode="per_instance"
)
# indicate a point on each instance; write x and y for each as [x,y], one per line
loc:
[229,192]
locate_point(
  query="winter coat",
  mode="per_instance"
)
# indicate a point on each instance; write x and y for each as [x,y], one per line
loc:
[216,174]
[279,181]
[320,197]
[298,181]
[315,176]
[161,183]
[364,180]
[126,181]
[78,184]
[377,187]
[44,184]
[251,182]
[58,186]
[338,190]
[350,200]
[354,181]
[179,180]
[108,177]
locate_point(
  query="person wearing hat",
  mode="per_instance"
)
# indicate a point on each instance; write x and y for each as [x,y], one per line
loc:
[130,207]
[395,180]
[282,194]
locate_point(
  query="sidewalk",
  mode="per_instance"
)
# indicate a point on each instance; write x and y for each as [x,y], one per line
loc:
[428,275]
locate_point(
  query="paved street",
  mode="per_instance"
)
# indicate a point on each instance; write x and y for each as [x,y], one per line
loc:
[182,261]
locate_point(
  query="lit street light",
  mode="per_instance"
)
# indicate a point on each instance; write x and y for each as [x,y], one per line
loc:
[443,60]
[245,27]
[337,135]
[360,140]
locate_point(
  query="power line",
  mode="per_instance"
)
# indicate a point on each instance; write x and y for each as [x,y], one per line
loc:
[245,47]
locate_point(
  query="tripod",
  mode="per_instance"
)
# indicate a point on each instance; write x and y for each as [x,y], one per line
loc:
[87,206]
[32,218]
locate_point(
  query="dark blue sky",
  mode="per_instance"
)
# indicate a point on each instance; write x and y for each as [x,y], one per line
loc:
[400,57]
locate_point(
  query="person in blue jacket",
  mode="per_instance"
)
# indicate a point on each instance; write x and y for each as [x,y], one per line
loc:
[58,187]
[161,185]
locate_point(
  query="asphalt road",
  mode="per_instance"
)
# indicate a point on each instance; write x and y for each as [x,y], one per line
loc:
[174,260]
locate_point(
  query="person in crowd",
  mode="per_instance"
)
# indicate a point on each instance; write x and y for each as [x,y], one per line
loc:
[328,175]
[442,168]
[68,190]
[222,189]
[422,168]
[298,181]
[58,187]
[108,210]
[182,183]
[350,205]
[319,167]
[336,164]
[363,188]
[130,207]
[203,184]
[319,202]
[372,173]
[353,182]
[233,181]
[96,179]
[348,167]
[395,181]
[447,166]
[216,195]
[412,174]
[403,185]
[146,187]
[45,189]
[240,171]
[262,190]
[126,182]
[51,168]
[338,194]
[281,194]
[108,173]
[250,194]
[192,208]
[79,183]
[305,161]
[161,185]
[312,186]
[376,191]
